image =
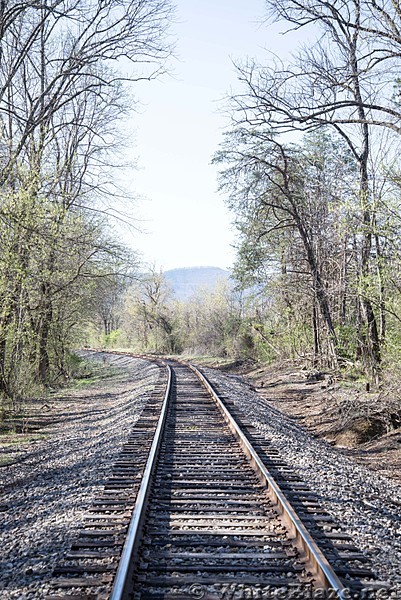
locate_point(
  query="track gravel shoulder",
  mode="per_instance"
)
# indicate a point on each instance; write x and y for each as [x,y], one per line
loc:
[44,496]
[365,503]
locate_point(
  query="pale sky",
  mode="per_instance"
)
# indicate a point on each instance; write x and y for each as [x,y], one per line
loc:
[179,128]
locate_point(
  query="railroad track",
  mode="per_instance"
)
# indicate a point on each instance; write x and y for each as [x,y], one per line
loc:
[216,514]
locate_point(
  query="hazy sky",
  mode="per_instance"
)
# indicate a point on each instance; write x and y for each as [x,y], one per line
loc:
[179,128]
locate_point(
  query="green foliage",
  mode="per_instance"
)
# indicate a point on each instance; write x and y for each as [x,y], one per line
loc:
[61,128]
[45,295]
[111,340]
[76,365]
[347,341]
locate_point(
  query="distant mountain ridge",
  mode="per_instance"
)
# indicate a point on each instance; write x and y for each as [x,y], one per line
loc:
[186,281]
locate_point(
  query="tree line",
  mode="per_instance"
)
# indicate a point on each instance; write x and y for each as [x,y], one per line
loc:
[67,68]
[309,168]
[146,316]
[310,171]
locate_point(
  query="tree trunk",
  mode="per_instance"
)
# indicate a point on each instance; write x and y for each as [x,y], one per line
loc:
[316,341]
[320,294]
[5,322]
[382,301]
[44,331]
[371,342]
[3,382]
[343,288]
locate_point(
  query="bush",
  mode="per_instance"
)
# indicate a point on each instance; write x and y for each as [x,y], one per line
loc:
[111,340]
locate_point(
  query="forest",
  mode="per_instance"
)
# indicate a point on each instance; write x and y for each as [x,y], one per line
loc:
[67,71]
[308,168]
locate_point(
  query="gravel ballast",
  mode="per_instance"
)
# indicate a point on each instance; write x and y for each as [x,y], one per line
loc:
[367,505]
[44,496]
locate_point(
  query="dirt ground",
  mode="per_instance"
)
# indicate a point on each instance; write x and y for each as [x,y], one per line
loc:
[337,411]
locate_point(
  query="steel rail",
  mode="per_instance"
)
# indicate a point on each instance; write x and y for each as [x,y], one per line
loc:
[134,529]
[320,566]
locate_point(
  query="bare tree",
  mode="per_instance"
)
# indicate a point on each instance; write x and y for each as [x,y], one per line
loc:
[61,99]
[64,50]
[339,82]
[150,315]
[287,200]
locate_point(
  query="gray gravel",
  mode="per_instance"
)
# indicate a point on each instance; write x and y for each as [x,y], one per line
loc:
[43,498]
[367,505]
